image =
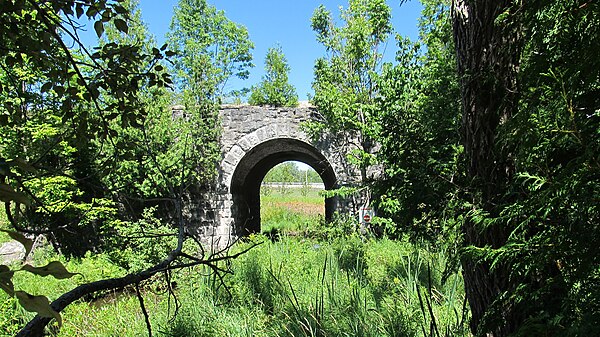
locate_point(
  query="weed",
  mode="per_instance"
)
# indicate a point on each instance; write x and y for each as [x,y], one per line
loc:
[329,281]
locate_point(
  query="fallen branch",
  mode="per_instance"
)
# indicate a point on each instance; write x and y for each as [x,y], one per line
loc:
[35,327]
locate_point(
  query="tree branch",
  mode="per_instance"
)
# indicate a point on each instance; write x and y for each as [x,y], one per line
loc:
[143,307]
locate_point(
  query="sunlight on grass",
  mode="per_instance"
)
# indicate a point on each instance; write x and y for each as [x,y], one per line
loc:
[3,225]
[290,209]
[298,285]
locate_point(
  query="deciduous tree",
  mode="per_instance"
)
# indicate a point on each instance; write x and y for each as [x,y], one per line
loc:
[345,80]
[210,50]
[529,129]
[421,154]
[67,113]
[488,41]
[274,89]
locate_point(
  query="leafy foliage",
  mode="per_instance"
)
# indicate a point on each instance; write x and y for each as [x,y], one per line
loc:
[545,201]
[555,191]
[58,107]
[532,223]
[209,50]
[420,115]
[274,89]
[345,80]
[56,101]
[90,137]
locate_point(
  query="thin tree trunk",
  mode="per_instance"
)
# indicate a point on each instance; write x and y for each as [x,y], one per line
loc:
[487,39]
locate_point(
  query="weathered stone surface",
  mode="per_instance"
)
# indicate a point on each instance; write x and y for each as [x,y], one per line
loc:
[254,139]
[11,251]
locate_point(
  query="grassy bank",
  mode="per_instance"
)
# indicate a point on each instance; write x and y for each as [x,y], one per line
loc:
[298,285]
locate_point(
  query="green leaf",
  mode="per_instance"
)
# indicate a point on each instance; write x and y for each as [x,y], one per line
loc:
[27,243]
[120,9]
[99,28]
[8,194]
[54,268]
[121,25]
[39,304]
[6,280]
[79,10]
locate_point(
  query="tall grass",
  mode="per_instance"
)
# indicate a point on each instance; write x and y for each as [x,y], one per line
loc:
[292,210]
[306,284]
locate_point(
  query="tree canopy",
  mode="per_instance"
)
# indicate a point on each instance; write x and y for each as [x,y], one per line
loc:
[274,89]
[209,50]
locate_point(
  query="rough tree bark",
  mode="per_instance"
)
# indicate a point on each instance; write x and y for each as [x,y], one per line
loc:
[488,47]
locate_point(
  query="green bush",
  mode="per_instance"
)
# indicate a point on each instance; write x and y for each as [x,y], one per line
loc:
[350,253]
[138,245]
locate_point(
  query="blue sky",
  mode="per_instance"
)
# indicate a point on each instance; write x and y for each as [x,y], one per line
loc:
[284,22]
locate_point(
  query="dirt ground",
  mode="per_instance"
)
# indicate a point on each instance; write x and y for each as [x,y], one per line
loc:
[301,207]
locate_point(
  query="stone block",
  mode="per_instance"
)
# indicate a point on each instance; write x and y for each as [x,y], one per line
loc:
[253,139]
[231,159]
[237,151]
[245,144]
[261,134]
[271,131]
[285,130]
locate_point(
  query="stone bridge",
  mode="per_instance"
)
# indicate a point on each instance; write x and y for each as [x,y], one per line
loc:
[254,140]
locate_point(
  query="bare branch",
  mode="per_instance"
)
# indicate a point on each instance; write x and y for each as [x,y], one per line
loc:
[143,307]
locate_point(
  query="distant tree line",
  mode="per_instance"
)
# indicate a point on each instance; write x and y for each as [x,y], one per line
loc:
[289,172]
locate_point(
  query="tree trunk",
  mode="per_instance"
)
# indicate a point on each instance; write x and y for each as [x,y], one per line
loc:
[488,46]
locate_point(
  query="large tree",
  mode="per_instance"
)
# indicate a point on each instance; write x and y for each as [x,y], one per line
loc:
[529,82]
[210,50]
[488,45]
[345,79]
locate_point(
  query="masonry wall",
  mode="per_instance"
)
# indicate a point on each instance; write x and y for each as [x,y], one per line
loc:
[212,212]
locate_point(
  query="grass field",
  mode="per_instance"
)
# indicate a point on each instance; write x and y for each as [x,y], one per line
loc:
[290,209]
[303,284]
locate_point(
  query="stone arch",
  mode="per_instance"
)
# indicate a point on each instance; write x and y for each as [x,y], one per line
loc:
[253,140]
[253,166]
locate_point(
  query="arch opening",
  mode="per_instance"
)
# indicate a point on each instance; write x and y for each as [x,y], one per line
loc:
[290,198]
[254,165]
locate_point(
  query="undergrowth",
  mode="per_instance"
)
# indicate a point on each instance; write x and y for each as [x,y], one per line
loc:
[316,279]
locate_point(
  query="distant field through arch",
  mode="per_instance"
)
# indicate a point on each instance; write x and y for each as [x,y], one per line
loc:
[290,198]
